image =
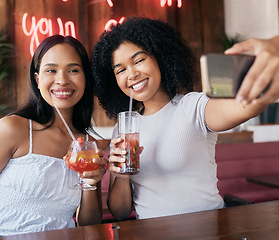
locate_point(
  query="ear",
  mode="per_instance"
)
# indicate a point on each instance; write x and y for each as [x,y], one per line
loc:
[36,75]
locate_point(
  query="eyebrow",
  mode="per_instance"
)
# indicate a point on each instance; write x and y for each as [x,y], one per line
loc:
[133,56]
[55,65]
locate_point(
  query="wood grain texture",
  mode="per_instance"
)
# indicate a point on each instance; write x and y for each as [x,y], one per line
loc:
[256,221]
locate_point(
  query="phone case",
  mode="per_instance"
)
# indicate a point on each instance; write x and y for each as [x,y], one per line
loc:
[223,74]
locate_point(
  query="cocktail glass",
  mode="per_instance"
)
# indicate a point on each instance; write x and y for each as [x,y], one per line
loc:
[80,159]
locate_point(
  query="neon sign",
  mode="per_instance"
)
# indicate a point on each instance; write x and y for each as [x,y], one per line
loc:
[44,27]
[113,22]
[169,3]
[110,3]
[162,3]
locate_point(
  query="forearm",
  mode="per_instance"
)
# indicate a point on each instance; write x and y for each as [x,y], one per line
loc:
[120,202]
[90,211]
[224,114]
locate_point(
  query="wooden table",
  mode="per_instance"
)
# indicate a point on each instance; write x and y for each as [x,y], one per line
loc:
[267,180]
[251,222]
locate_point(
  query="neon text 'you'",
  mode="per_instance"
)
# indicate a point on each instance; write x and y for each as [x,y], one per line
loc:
[45,26]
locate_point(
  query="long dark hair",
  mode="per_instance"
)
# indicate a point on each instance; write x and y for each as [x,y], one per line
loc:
[176,61]
[37,109]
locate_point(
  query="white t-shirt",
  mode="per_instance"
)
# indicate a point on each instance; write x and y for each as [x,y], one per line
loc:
[177,166]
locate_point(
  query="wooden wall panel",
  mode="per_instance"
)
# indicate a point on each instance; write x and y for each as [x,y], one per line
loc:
[151,9]
[4,6]
[212,13]
[7,88]
[98,13]
[188,22]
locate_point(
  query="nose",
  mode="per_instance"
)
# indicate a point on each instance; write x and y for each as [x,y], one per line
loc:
[61,78]
[133,73]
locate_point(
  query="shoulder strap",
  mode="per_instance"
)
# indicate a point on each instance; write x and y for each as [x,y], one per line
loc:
[30,136]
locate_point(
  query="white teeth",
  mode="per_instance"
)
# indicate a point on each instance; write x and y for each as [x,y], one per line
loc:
[63,93]
[137,86]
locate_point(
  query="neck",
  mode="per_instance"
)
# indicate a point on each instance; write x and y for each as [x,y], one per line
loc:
[153,105]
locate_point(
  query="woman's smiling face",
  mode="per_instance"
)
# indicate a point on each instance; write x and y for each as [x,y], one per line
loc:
[135,70]
[61,78]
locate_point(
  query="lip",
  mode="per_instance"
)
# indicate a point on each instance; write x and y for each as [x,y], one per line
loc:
[138,86]
[64,93]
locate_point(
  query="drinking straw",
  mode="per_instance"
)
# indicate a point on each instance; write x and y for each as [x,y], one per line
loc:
[66,125]
[130,111]
[130,122]
[131,101]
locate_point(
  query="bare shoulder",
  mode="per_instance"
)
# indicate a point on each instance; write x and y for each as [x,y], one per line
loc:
[13,127]
[13,135]
[13,124]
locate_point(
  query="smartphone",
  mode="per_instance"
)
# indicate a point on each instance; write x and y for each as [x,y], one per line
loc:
[223,74]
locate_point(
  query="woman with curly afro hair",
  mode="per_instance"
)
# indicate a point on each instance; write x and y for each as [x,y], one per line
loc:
[178,127]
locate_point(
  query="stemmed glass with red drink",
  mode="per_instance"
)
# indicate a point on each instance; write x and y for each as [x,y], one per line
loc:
[80,159]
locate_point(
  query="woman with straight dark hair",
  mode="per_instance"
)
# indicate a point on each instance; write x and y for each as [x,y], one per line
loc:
[37,109]
[35,183]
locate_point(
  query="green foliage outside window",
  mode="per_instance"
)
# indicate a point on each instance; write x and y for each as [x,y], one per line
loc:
[230,41]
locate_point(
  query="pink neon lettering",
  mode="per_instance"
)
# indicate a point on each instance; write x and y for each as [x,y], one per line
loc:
[110,3]
[169,3]
[70,27]
[50,27]
[113,22]
[44,27]
[60,24]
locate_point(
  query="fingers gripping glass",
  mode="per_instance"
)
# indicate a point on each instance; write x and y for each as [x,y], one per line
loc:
[80,159]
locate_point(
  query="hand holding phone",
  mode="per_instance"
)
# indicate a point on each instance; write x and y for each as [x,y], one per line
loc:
[222,74]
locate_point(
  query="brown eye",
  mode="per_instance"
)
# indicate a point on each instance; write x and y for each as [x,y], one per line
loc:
[74,71]
[50,71]
[140,60]
[120,71]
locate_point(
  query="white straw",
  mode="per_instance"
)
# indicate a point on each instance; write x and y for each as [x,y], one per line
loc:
[130,111]
[131,101]
[66,125]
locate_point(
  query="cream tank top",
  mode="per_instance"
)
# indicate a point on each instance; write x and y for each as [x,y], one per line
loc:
[35,194]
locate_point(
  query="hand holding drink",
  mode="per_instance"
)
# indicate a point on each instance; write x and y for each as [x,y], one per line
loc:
[80,158]
[128,130]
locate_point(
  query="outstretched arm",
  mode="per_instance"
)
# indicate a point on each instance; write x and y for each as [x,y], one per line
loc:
[224,114]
